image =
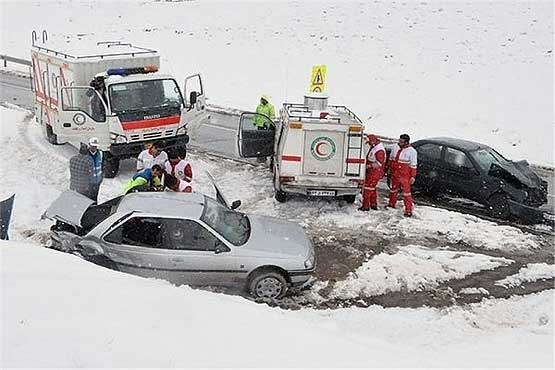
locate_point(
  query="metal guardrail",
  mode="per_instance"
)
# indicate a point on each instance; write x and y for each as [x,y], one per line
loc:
[7,58]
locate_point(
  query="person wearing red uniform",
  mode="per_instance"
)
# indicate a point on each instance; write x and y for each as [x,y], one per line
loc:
[402,169]
[178,167]
[173,183]
[375,167]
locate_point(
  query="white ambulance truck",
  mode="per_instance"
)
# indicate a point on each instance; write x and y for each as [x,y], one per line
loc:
[316,149]
[112,91]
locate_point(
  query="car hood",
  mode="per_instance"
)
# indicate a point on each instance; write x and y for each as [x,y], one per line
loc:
[273,235]
[68,208]
[522,172]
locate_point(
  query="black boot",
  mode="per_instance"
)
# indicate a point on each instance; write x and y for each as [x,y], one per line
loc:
[362,209]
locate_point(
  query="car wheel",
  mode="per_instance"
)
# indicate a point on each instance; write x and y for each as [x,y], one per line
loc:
[349,198]
[110,166]
[281,196]
[499,206]
[268,284]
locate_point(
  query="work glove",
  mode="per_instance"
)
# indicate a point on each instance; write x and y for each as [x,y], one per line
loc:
[411,180]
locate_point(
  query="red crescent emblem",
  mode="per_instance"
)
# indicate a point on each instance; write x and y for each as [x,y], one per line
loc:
[317,149]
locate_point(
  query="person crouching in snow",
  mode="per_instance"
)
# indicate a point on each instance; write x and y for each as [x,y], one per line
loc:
[179,167]
[145,180]
[173,183]
[375,165]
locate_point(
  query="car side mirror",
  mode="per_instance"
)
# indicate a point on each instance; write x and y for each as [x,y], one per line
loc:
[193,98]
[236,204]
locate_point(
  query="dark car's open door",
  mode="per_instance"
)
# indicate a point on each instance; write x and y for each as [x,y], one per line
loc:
[253,142]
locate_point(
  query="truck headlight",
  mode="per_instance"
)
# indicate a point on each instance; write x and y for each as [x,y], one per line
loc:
[118,139]
[181,130]
[308,264]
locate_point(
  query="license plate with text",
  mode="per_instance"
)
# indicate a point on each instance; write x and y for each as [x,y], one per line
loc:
[322,193]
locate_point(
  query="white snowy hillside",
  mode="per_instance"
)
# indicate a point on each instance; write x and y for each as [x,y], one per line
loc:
[60,311]
[479,70]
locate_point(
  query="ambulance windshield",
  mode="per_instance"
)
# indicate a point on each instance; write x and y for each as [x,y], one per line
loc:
[143,95]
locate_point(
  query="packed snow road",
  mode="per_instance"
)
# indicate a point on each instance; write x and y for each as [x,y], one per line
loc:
[437,258]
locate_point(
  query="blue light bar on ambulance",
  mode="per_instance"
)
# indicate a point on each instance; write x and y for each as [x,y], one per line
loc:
[131,71]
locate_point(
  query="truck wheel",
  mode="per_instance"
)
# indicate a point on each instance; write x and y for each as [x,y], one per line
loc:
[281,196]
[50,135]
[349,198]
[110,166]
[499,206]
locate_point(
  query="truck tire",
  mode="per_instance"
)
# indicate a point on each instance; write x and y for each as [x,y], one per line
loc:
[349,198]
[110,166]
[50,135]
[499,206]
[281,196]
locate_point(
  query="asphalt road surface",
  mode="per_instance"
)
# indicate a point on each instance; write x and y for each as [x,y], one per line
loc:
[220,136]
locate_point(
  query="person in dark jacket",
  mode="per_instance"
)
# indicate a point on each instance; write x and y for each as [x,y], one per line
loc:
[81,172]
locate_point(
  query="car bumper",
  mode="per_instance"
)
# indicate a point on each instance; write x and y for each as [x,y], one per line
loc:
[301,279]
[129,150]
[528,214]
[305,189]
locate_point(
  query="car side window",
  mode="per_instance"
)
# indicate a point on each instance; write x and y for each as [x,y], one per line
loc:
[139,231]
[187,235]
[458,160]
[431,152]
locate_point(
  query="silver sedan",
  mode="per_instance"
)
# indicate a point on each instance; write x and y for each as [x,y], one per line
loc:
[185,238]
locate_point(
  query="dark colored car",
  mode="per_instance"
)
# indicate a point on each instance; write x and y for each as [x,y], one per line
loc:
[479,173]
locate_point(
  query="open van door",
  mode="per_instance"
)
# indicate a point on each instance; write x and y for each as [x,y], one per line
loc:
[253,142]
[83,110]
[195,104]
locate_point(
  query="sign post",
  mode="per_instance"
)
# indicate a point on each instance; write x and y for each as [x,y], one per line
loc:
[318,79]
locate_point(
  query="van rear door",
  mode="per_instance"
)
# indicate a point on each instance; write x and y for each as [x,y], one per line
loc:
[323,153]
[253,142]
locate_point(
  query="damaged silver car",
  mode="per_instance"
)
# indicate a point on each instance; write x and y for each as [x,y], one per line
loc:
[185,238]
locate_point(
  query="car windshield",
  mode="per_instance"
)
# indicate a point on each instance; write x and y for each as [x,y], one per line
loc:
[486,157]
[233,226]
[142,95]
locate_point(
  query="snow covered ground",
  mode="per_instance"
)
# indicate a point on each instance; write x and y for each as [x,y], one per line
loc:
[60,311]
[480,70]
[413,267]
[531,272]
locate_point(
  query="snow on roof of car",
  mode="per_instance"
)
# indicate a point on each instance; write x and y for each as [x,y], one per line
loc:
[166,203]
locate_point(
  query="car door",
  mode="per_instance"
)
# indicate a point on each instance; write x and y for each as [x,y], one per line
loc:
[429,166]
[196,255]
[461,176]
[253,142]
[82,114]
[195,112]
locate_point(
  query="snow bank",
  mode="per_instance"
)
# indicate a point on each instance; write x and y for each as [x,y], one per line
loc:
[532,272]
[477,70]
[60,311]
[412,267]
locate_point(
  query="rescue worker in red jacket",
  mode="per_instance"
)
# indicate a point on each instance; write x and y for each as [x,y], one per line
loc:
[375,167]
[402,169]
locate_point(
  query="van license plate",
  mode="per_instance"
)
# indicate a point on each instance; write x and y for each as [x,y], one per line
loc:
[322,193]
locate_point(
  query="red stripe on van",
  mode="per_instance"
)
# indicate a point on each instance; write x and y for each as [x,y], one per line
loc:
[147,123]
[355,160]
[291,158]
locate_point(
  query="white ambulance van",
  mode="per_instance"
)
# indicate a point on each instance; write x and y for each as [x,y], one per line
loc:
[112,91]
[316,149]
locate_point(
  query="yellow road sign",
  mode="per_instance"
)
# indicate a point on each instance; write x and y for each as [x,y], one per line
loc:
[318,79]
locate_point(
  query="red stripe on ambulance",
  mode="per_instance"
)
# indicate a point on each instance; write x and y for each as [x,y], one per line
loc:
[291,158]
[136,125]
